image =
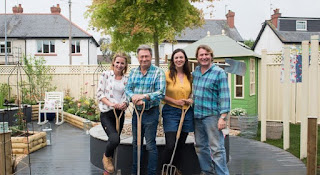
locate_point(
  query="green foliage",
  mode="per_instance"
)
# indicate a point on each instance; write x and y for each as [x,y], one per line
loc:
[19,123]
[85,107]
[238,112]
[249,43]
[131,23]
[39,80]
[4,93]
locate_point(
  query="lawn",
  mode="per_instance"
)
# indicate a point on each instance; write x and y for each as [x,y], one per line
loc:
[294,142]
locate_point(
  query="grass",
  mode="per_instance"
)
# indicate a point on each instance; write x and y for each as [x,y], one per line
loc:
[294,142]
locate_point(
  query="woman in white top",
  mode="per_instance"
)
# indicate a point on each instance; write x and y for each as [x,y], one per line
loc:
[110,94]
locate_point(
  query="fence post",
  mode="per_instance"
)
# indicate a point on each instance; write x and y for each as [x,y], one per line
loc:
[312,145]
[313,74]
[286,100]
[263,96]
[304,99]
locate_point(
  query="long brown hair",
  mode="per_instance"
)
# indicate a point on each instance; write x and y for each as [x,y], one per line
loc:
[172,68]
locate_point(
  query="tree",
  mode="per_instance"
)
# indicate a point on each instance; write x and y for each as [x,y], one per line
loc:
[131,23]
[249,43]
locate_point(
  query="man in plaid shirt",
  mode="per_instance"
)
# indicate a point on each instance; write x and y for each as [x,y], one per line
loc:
[211,106]
[147,83]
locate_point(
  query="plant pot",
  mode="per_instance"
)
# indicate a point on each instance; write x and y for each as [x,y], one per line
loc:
[234,122]
[24,145]
[6,115]
[274,130]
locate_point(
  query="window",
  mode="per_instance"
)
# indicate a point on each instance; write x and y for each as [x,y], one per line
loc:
[3,47]
[75,46]
[252,77]
[45,46]
[238,86]
[301,25]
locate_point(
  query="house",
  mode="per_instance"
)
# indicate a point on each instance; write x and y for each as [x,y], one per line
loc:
[190,36]
[45,35]
[285,31]
[243,89]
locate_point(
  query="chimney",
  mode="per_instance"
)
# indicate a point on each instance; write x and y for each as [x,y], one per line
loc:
[55,9]
[18,9]
[275,16]
[230,18]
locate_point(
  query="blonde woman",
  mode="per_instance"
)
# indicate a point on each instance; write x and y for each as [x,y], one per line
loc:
[110,94]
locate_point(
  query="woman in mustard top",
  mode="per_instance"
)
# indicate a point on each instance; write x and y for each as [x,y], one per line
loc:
[178,95]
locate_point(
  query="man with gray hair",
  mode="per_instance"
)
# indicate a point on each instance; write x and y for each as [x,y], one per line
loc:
[147,84]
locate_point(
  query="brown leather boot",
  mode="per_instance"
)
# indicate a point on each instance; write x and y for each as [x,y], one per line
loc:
[107,164]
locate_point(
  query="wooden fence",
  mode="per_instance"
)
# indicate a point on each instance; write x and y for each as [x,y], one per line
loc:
[79,80]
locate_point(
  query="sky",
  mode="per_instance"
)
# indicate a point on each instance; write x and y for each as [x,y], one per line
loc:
[249,14]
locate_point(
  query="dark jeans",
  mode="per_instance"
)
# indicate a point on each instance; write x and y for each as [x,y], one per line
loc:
[149,125]
[108,123]
[168,149]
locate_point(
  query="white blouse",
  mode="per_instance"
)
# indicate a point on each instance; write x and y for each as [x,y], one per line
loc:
[106,90]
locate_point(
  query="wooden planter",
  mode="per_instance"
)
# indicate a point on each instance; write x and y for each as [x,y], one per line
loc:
[234,122]
[35,112]
[76,120]
[36,141]
[274,130]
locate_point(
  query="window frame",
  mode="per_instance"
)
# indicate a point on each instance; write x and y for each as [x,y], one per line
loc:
[252,73]
[75,45]
[3,45]
[51,46]
[235,86]
[300,22]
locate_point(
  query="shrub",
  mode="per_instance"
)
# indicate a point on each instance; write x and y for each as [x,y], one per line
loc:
[238,112]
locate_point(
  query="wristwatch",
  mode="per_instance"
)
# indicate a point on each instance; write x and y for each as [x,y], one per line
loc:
[224,117]
[145,96]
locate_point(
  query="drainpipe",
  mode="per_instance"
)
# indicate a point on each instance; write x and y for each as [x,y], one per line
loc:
[88,51]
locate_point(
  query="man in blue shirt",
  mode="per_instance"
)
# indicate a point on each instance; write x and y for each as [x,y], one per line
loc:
[147,83]
[211,106]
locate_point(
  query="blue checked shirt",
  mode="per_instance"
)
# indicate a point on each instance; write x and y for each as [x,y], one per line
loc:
[210,92]
[152,83]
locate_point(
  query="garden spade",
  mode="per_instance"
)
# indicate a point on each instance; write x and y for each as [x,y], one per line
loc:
[234,67]
[118,130]
[169,169]
[139,120]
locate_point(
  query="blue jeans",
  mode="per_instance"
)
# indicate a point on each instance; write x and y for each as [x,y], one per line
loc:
[210,146]
[149,125]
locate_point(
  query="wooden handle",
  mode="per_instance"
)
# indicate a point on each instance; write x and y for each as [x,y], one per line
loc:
[183,114]
[117,120]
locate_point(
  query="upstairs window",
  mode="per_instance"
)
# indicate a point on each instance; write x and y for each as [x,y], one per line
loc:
[301,25]
[75,46]
[45,46]
[3,47]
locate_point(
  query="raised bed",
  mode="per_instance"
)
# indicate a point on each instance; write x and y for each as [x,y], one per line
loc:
[7,114]
[35,141]
[76,120]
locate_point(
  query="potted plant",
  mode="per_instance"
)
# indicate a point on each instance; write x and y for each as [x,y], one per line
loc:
[234,117]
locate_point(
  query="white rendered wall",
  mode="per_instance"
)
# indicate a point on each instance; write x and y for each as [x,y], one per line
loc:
[268,41]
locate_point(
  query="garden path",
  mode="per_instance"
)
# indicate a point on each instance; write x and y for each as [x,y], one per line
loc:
[69,154]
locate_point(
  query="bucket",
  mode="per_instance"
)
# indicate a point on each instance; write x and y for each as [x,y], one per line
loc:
[274,130]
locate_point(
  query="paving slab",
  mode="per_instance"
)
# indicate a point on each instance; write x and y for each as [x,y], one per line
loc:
[69,154]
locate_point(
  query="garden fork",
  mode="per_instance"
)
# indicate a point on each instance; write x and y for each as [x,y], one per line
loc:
[118,130]
[169,169]
[139,120]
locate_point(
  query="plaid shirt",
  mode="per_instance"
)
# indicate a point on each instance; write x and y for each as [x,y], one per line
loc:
[152,83]
[210,92]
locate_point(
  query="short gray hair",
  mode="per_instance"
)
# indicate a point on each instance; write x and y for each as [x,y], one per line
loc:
[144,47]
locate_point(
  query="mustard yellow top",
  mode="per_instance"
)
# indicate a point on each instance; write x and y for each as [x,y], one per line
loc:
[178,90]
